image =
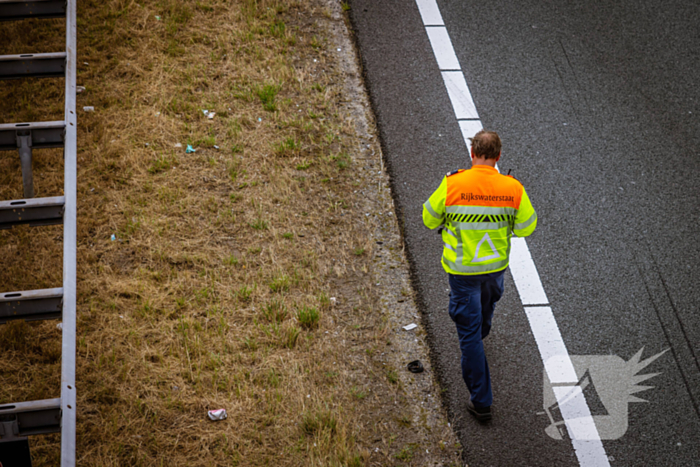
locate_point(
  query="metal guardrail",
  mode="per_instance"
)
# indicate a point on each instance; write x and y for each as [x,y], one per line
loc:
[21,419]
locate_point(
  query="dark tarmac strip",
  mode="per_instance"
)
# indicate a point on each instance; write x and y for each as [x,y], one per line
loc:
[597,107]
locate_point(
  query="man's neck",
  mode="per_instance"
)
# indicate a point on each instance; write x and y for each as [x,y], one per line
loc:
[484,161]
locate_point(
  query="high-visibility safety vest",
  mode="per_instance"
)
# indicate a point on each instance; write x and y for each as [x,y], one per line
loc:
[479,210]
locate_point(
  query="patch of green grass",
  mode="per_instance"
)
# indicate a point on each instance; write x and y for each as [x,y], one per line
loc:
[275,311]
[161,164]
[345,6]
[342,160]
[358,393]
[324,301]
[406,453]
[259,224]
[277,28]
[304,165]
[231,260]
[280,284]
[359,251]
[308,317]
[245,293]
[313,423]
[250,343]
[289,146]
[291,335]
[392,376]
[204,141]
[315,43]
[288,235]
[267,94]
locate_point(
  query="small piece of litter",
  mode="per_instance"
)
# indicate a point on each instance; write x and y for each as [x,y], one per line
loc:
[86,63]
[88,108]
[218,414]
[158,18]
[178,145]
[210,115]
[121,316]
[79,89]
[216,147]
[308,396]
[415,366]
[259,119]
[59,326]
[190,149]
[113,237]
[157,114]
[410,327]
[205,112]
[334,301]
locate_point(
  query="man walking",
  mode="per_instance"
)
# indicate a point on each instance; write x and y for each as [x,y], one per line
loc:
[479,210]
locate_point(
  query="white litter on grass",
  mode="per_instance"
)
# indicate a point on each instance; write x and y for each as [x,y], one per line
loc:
[334,301]
[178,145]
[210,115]
[205,112]
[59,326]
[218,414]
[410,327]
[88,108]
[79,89]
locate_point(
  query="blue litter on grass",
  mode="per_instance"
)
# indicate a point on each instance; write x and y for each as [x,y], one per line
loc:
[190,149]
[113,237]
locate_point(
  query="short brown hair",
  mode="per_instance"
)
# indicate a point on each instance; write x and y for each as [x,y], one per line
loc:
[486,144]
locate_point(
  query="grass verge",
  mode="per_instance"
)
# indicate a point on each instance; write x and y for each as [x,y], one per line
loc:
[238,276]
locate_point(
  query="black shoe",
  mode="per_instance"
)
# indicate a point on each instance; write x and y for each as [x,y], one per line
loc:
[482,414]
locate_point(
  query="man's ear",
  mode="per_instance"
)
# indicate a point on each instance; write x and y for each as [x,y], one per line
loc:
[499,156]
[471,153]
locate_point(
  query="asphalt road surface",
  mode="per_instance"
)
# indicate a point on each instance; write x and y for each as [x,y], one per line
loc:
[597,104]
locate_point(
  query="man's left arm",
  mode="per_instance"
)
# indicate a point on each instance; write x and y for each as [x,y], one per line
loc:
[526,218]
[434,208]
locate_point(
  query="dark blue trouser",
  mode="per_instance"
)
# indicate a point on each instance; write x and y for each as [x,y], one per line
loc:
[472,301]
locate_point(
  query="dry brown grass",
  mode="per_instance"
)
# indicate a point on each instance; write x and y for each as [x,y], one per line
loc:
[217,290]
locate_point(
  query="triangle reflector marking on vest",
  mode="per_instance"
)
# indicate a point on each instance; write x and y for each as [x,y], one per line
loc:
[493,255]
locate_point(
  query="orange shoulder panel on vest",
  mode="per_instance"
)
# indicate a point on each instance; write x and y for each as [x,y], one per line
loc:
[483,186]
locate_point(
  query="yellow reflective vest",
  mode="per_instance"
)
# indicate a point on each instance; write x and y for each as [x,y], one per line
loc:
[479,210]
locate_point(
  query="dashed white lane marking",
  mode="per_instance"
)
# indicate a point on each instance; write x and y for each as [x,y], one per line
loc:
[470,128]
[442,48]
[430,13]
[525,275]
[461,98]
[577,415]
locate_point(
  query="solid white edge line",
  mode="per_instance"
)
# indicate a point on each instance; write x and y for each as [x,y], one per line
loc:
[430,13]
[442,48]
[584,435]
[461,98]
